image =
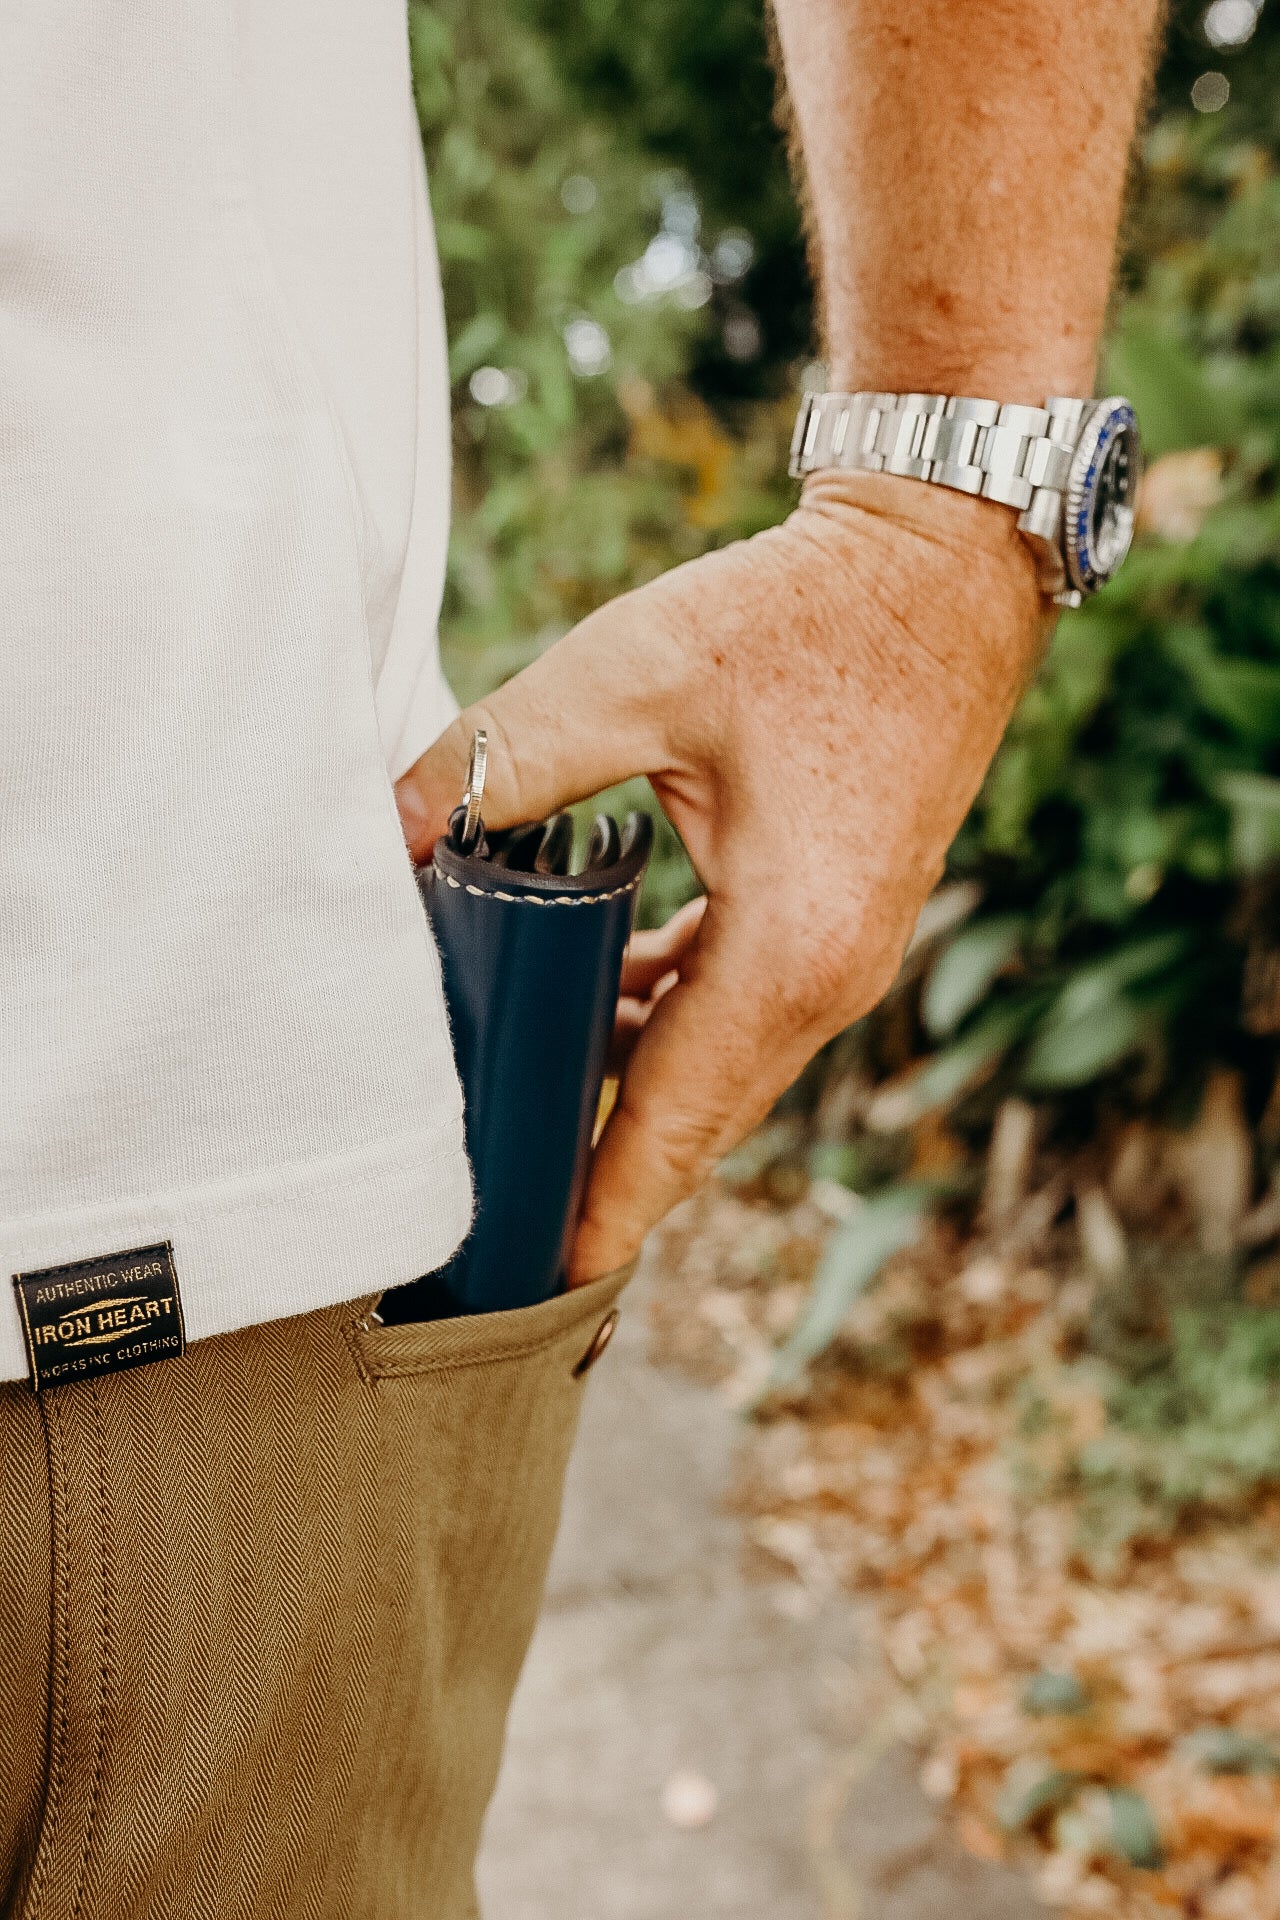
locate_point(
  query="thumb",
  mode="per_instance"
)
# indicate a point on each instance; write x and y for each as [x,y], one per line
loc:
[706,1066]
[575,721]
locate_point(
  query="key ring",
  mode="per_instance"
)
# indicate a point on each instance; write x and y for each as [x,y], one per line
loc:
[478,765]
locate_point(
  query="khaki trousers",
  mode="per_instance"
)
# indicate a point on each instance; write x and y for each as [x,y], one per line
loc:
[262,1609]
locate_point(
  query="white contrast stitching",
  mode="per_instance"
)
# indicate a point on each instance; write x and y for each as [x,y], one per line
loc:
[537,899]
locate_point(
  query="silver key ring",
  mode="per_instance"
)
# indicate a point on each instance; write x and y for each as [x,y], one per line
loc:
[477,767]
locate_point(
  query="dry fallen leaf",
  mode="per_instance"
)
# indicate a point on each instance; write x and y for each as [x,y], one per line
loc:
[977,1838]
[1214,1162]
[1178,491]
[1222,1815]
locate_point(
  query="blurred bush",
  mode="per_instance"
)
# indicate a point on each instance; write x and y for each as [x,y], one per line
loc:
[692,82]
[579,279]
[583,280]
[628,321]
[1124,842]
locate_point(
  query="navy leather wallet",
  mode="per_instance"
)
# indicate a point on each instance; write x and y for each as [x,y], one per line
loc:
[532,957]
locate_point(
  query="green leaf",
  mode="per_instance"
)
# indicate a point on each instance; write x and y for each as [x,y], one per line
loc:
[474,345]
[844,1161]
[1031,1791]
[1050,1692]
[951,1072]
[1093,1024]
[1174,402]
[881,1227]
[966,968]
[1073,1049]
[1243,694]
[1092,986]
[1228,1750]
[1134,1832]
[1254,800]
[757,1153]
[462,240]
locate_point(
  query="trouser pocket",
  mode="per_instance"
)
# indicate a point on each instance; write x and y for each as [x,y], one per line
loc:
[477,1417]
[271,1600]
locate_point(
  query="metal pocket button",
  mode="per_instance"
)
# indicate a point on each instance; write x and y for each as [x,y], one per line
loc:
[599,1341]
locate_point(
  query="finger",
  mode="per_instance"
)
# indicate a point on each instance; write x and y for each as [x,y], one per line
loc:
[658,951]
[632,1017]
[573,723]
[702,1071]
[629,1023]
[650,968]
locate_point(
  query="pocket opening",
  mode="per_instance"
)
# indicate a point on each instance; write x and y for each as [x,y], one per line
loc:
[482,1339]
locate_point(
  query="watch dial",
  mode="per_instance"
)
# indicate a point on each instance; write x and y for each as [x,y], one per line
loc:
[1101,494]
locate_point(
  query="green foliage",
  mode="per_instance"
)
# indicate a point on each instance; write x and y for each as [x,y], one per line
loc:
[967,969]
[1229,1750]
[550,519]
[692,83]
[853,1260]
[1134,1833]
[1033,1791]
[1188,1369]
[1136,792]
[576,482]
[1051,1692]
[1199,1428]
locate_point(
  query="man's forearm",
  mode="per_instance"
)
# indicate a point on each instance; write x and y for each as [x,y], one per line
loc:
[965,166]
[816,707]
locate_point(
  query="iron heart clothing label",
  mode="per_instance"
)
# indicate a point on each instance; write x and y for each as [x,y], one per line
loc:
[101,1316]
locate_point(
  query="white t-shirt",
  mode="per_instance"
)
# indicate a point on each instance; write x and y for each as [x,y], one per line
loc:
[223,515]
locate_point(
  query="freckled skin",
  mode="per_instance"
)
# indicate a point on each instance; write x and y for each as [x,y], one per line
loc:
[816,707]
[931,101]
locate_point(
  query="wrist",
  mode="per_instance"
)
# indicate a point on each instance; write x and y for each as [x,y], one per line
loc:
[983,569]
[1060,358]
[966,526]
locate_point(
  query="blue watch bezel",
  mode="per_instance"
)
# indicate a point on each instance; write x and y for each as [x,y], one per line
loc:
[1101,429]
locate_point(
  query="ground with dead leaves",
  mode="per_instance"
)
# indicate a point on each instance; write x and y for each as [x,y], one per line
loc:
[1099,1698]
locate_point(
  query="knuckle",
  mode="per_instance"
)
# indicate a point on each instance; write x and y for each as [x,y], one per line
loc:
[683,1146]
[818,971]
[830,972]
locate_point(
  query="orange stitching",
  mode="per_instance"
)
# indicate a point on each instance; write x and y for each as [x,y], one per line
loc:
[59,1679]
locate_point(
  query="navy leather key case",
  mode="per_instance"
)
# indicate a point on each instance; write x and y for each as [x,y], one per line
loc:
[532,957]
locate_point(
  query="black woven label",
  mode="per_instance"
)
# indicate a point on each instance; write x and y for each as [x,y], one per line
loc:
[101,1316]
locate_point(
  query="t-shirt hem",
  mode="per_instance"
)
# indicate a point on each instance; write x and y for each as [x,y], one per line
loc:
[289,1240]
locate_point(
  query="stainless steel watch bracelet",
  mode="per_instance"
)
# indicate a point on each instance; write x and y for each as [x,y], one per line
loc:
[1020,456]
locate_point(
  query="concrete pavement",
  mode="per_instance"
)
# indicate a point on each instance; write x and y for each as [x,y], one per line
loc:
[657,1657]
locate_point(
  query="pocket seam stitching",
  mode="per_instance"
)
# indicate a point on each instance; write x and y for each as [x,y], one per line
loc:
[393,1370]
[351,1329]
[95,1798]
[445,1364]
[32,1894]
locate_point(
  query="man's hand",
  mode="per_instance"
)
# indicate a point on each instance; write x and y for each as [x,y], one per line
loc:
[815,709]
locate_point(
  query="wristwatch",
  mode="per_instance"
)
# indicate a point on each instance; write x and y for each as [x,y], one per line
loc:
[1070,468]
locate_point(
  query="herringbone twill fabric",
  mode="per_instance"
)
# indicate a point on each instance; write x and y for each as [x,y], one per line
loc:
[262,1610]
